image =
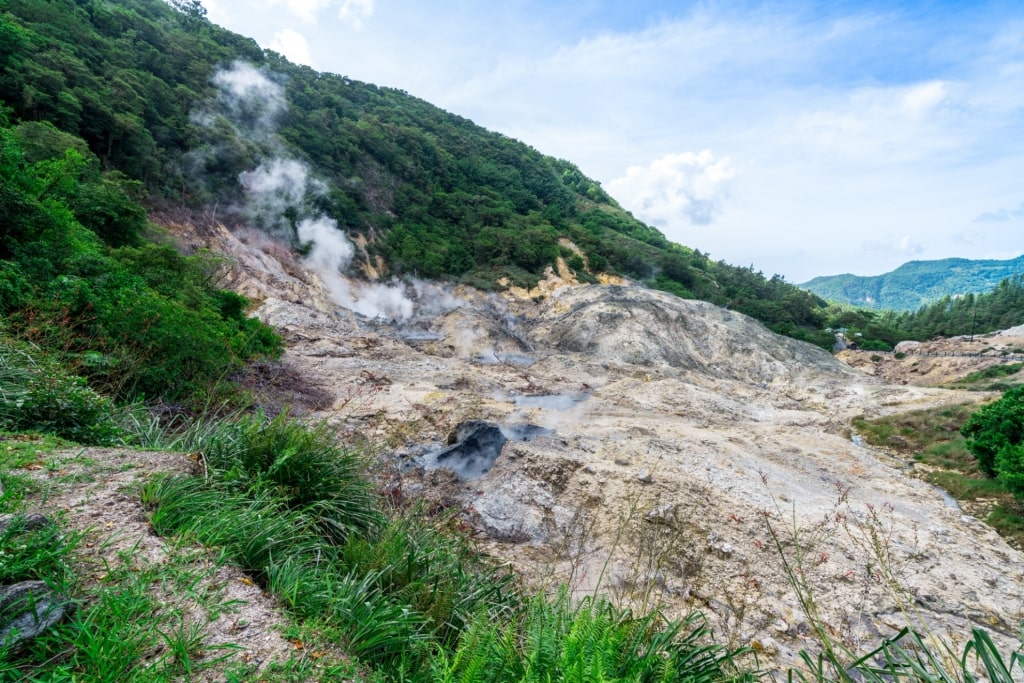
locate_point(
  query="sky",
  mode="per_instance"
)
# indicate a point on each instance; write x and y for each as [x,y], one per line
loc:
[800,138]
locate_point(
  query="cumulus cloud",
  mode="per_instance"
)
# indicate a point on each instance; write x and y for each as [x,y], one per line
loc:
[689,187]
[1001,215]
[292,45]
[356,11]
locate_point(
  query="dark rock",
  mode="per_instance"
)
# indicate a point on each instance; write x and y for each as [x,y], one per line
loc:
[477,445]
[23,522]
[27,609]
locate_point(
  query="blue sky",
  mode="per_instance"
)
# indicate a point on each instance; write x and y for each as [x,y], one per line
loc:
[801,138]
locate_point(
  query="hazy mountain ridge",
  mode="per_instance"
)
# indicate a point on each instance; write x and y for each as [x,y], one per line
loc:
[916,283]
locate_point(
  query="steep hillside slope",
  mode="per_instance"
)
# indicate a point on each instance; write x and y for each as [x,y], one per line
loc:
[189,109]
[916,283]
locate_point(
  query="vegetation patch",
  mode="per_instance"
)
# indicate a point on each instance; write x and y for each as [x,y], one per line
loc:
[990,379]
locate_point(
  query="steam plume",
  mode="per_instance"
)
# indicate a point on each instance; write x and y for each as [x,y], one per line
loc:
[278,195]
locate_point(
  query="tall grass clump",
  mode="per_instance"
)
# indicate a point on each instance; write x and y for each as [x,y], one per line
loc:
[556,640]
[909,657]
[304,465]
[288,504]
[431,565]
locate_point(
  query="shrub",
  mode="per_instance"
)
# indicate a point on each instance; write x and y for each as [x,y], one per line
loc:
[39,395]
[875,345]
[994,435]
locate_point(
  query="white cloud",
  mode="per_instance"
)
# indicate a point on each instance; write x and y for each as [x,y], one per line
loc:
[920,99]
[883,125]
[303,9]
[355,11]
[292,45]
[678,188]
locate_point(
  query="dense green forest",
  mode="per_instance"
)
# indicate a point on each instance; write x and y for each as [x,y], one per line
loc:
[916,284]
[434,194]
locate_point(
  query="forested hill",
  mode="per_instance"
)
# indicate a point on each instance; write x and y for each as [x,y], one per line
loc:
[916,283]
[431,193]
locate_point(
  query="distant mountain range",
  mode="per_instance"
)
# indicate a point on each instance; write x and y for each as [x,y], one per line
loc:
[916,283]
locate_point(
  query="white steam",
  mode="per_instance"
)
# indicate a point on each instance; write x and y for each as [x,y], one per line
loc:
[278,194]
[249,99]
[330,255]
[274,187]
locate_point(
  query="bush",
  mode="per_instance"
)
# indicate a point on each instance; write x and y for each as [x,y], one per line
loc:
[39,395]
[875,345]
[994,435]
[155,317]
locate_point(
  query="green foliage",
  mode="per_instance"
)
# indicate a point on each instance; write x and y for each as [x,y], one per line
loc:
[37,395]
[998,309]
[139,320]
[932,437]
[283,501]
[916,284]
[302,465]
[910,658]
[555,640]
[993,372]
[994,435]
[31,551]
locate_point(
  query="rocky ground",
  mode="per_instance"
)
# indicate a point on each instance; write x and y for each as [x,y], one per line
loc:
[666,451]
[940,362]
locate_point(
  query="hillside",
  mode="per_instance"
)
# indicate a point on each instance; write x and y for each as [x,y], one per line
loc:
[187,109]
[916,283]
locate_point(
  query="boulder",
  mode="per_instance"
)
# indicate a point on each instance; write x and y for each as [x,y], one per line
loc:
[27,609]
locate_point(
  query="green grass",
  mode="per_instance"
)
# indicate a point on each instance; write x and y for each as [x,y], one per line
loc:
[20,449]
[131,621]
[982,380]
[126,630]
[391,587]
[918,430]
[556,640]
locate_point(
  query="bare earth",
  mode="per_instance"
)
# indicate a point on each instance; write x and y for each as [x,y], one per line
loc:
[689,451]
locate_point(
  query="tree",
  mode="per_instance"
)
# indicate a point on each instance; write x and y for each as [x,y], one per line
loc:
[192,9]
